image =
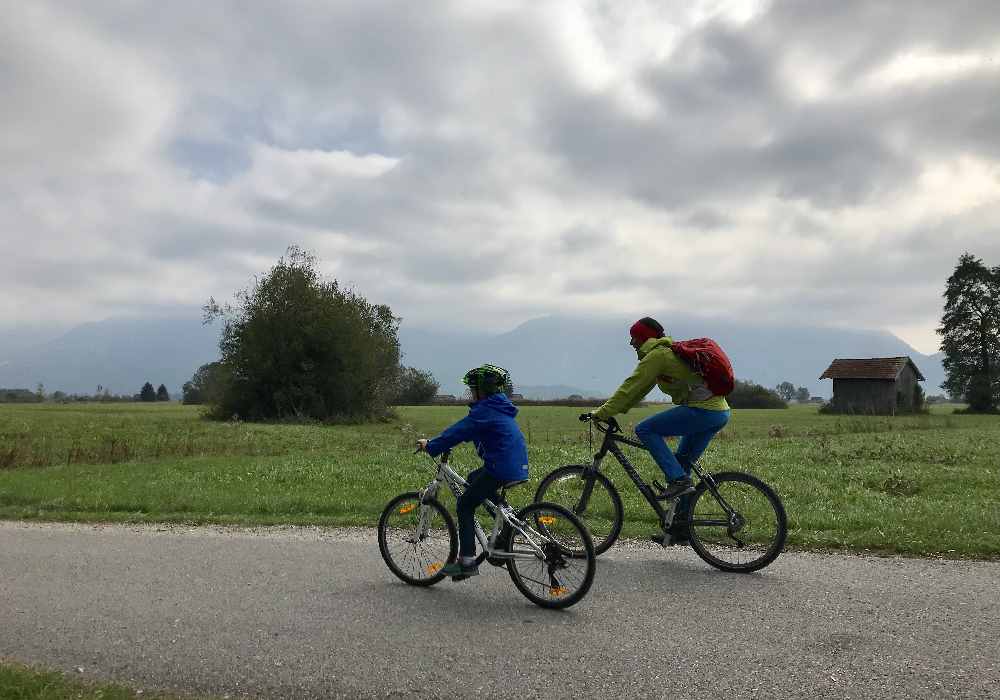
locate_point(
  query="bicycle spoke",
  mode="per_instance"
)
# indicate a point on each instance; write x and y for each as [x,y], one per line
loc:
[564,570]
[415,539]
[739,525]
[589,495]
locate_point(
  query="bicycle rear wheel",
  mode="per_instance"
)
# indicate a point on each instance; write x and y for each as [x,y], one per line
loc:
[741,526]
[417,538]
[592,498]
[562,572]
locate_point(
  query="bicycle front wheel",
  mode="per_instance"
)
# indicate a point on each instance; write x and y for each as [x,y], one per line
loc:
[554,560]
[739,525]
[592,498]
[416,538]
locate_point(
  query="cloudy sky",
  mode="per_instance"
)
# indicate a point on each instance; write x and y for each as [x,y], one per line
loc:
[481,164]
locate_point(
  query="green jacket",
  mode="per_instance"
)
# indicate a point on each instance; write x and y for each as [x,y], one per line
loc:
[659,365]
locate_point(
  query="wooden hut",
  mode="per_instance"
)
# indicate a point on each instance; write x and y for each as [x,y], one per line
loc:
[876,385]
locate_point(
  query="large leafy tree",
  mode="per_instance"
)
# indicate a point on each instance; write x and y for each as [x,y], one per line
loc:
[785,390]
[415,387]
[297,346]
[970,332]
[205,385]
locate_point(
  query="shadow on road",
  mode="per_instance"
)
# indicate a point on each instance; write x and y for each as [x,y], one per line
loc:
[491,598]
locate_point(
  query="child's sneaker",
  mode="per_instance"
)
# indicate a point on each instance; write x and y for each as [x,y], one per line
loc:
[459,572]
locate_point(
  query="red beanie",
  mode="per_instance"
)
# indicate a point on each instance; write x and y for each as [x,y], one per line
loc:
[642,332]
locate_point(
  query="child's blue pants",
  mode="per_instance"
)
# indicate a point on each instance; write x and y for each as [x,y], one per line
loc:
[482,485]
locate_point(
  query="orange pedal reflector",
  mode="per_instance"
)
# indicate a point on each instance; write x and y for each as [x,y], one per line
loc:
[546,519]
[407,509]
[557,591]
[434,568]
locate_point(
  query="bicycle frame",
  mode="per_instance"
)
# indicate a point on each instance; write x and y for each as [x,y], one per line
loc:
[454,481]
[666,515]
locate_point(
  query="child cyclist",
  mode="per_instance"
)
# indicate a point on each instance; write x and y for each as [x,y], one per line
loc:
[490,426]
[697,417]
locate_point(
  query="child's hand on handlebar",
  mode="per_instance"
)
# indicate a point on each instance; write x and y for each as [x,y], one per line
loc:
[422,445]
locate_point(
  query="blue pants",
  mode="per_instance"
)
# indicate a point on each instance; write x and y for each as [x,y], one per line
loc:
[696,428]
[482,485]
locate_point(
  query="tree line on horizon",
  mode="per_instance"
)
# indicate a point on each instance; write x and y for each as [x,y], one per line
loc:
[102,395]
[295,346]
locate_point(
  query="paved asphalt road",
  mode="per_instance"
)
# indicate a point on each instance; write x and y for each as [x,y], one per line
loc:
[283,613]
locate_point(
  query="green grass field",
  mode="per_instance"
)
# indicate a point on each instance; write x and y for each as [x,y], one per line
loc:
[19,682]
[927,485]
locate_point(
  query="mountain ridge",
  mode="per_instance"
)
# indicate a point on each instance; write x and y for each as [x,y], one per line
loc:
[586,356]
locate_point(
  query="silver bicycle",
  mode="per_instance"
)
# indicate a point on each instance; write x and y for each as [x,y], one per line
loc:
[546,549]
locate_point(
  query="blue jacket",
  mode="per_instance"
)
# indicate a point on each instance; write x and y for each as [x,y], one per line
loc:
[491,427]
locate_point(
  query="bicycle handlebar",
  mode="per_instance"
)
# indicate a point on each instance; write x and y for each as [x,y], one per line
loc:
[445,456]
[605,425]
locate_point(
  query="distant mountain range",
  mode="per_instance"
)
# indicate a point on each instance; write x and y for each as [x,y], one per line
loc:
[120,355]
[590,357]
[548,357]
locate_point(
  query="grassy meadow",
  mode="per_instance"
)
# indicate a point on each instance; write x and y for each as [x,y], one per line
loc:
[19,682]
[926,485]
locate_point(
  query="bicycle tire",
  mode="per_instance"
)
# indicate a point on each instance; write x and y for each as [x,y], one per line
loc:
[565,484]
[419,562]
[565,541]
[707,526]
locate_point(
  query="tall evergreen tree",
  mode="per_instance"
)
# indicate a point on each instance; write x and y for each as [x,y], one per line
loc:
[162,394]
[148,393]
[970,332]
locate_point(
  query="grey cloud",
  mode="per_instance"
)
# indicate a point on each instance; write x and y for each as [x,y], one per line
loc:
[216,161]
[706,218]
[485,113]
[861,34]
[583,240]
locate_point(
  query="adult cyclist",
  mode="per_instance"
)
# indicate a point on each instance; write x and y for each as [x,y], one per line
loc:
[697,416]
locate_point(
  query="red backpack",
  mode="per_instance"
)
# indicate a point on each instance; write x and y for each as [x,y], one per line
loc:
[704,356]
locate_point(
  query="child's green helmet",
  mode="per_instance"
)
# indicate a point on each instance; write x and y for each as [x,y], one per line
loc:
[488,379]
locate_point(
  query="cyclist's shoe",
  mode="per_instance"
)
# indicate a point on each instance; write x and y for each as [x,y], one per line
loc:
[459,572]
[681,539]
[676,488]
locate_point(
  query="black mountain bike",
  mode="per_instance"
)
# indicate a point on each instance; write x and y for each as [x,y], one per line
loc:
[736,521]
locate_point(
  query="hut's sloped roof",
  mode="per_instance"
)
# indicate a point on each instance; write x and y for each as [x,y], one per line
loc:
[869,368]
